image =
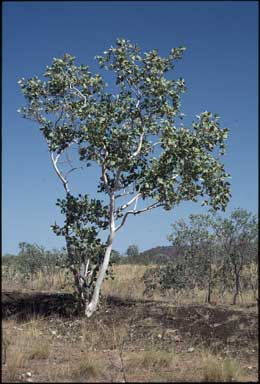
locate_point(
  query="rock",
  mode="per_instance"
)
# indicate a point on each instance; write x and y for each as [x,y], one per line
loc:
[191,349]
[170,332]
[232,339]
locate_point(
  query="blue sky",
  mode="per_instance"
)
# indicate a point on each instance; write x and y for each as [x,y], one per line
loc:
[220,67]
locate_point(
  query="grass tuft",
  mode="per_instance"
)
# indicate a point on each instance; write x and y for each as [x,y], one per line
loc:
[14,365]
[151,359]
[217,369]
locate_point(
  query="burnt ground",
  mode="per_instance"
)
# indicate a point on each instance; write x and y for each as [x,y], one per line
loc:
[158,324]
[24,305]
[206,324]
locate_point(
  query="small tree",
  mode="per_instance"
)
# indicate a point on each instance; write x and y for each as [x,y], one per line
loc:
[132,252]
[169,277]
[146,156]
[196,246]
[237,237]
[250,279]
[30,259]
[115,257]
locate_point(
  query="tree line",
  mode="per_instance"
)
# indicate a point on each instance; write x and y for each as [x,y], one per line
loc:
[208,252]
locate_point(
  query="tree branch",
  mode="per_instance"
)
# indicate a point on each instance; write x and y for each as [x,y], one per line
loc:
[136,91]
[59,118]
[58,172]
[80,94]
[136,153]
[104,170]
[134,212]
[138,94]
[73,169]
[126,191]
[129,202]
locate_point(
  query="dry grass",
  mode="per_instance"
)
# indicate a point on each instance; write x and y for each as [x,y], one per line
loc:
[106,337]
[55,281]
[127,282]
[99,354]
[24,343]
[39,282]
[38,350]
[218,369]
[13,365]
[85,367]
[151,360]
[169,366]
[97,351]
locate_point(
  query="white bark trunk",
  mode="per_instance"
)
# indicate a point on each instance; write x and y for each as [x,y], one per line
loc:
[91,307]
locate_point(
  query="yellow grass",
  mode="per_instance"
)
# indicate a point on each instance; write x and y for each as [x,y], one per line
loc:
[99,353]
[218,369]
[127,284]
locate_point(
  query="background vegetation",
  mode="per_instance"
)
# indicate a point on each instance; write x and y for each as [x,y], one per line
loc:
[211,259]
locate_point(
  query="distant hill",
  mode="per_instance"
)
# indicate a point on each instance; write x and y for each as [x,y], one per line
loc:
[160,254]
[157,255]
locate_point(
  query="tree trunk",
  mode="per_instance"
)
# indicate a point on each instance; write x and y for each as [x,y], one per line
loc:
[237,288]
[92,305]
[208,299]
[70,257]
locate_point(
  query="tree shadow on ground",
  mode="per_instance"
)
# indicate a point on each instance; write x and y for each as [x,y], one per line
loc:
[24,305]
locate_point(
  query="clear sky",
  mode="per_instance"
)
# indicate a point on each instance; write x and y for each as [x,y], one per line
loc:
[220,67]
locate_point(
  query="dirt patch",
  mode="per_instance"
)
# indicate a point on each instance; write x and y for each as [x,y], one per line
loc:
[165,323]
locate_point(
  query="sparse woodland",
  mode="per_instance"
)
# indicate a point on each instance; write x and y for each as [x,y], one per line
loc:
[186,312]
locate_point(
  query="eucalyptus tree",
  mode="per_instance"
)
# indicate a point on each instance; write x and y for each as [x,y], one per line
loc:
[237,238]
[147,157]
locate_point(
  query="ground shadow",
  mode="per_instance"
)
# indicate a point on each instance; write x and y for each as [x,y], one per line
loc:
[24,305]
